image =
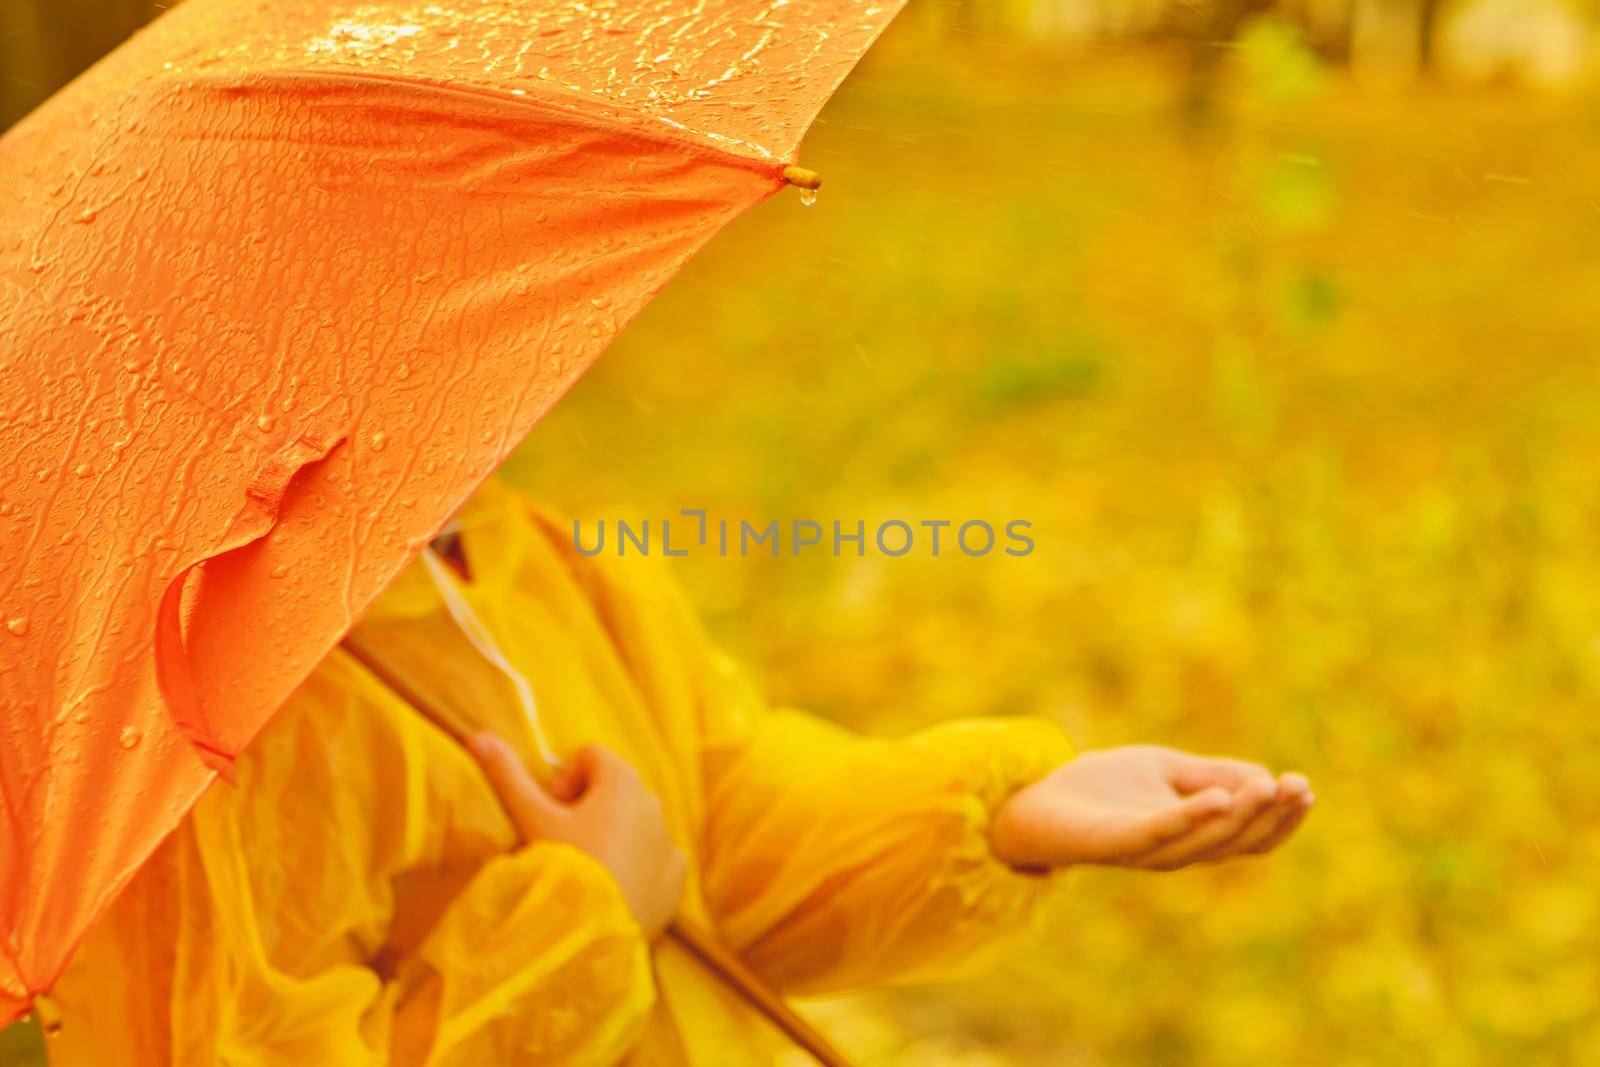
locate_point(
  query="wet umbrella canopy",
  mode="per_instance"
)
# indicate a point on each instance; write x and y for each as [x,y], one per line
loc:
[279,285]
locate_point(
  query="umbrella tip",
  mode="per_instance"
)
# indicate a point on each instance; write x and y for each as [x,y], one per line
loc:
[803,178]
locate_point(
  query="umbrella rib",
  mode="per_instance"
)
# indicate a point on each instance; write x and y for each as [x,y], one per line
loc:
[571,106]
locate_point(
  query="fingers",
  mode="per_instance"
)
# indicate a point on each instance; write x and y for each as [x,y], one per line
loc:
[1175,822]
[1036,832]
[1248,801]
[1264,816]
[1267,833]
[567,784]
[596,768]
[577,776]
[532,811]
[1189,773]
[1285,828]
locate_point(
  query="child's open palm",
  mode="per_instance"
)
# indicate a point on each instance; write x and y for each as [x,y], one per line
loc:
[1149,807]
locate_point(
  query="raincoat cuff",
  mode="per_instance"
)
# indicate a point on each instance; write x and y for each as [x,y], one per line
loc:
[994,758]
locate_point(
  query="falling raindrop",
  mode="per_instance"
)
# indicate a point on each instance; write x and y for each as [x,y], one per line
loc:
[808,197]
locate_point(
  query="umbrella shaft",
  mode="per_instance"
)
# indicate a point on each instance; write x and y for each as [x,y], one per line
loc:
[705,947]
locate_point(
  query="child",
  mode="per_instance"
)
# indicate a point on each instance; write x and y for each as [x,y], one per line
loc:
[363,898]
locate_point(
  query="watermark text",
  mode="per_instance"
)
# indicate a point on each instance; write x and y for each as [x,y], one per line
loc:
[694,530]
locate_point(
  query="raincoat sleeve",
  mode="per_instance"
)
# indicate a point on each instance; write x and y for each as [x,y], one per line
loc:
[829,860]
[835,861]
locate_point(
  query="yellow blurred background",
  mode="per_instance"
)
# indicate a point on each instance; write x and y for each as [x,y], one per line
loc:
[1278,322]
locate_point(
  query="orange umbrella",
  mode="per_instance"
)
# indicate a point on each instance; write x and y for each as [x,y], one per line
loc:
[280,284]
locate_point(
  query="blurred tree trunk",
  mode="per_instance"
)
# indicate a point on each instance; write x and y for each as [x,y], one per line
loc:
[1209,42]
[1329,24]
[1427,27]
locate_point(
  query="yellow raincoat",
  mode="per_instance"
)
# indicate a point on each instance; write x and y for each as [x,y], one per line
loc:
[359,897]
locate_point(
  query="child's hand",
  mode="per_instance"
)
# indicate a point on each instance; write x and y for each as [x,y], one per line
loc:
[1149,807]
[597,803]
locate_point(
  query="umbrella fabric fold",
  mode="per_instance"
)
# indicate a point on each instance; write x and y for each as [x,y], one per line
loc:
[279,285]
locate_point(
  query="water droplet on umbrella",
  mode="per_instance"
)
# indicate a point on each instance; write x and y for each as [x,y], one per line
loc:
[130,736]
[266,422]
[378,441]
[17,624]
[280,571]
